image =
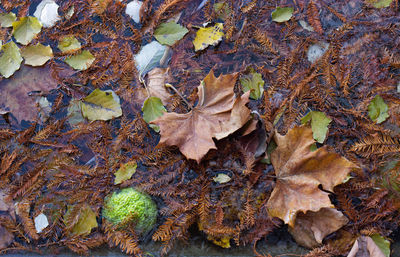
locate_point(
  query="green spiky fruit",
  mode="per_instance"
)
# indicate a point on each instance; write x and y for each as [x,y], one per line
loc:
[131,205]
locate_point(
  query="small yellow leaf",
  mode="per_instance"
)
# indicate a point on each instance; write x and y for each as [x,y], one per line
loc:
[222,178]
[125,172]
[208,36]
[69,44]
[84,221]
[81,61]
[37,55]
[101,105]
[26,29]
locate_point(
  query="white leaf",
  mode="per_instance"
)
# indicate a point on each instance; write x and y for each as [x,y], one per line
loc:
[315,51]
[149,57]
[222,178]
[133,10]
[47,13]
[41,222]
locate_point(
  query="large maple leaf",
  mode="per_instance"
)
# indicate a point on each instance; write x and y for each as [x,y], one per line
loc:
[299,172]
[217,114]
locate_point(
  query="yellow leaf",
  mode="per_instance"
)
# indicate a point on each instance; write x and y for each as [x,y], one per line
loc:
[37,55]
[82,222]
[101,105]
[208,36]
[125,172]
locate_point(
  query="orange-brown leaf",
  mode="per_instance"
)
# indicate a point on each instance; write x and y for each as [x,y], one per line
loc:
[299,173]
[217,114]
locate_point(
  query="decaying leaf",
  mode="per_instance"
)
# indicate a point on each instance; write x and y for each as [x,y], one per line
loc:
[365,246]
[81,61]
[10,59]
[133,10]
[37,55]
[310,228]
[253,82]
[282,14]
[41,222]
[221,178]
[217,114]
[101,105]
[222,9]
[156,80]
[26,29]
[15,91]
[69,44]
[208,36]
[169,33]
[125,172]
[153,109]
[6,19]
[319,124]
[299,173]
[47,13]
[74,112]
[83,222]
[378,110]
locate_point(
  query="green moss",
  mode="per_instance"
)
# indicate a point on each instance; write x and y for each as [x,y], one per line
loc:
[131,204]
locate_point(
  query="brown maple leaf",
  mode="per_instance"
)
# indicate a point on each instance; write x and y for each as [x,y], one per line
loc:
[310,228]
[217,114]
[299,172]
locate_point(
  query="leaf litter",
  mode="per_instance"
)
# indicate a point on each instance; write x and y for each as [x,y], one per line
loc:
[51,166]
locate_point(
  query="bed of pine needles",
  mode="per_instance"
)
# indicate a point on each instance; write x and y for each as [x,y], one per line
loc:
[45,166]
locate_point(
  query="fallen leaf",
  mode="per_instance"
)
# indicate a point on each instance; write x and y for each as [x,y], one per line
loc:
[6,238]
[169,33]
[378,110]
[81,61]
[125,172]
[365,246]
[380,3]
[37,55]
[83,222]
[300,172]
[69,44]
[208,36]
[99,6]
[382,243]
[101,105]
[74,112]
[222,9]
[10,59]
[149,57]
[310,228]
[217,114]
[254,83]
[156,80]
[282,14]
[133,10]
[41,222]
[6,19]
[222,178]
[47,13]
[15,91]
[319,124]
[153,109]
[26,29]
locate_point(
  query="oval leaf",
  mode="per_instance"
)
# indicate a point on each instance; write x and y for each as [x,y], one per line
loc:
[221,178]
[169,33]
[282,14]
[6,19]
[83,222]
[125,172]
[149,57]
[47,13]
[26,29]
[208,36]
[378,110]
[81,61]
[152,109]
[37,55]
[101,105]
[10,59]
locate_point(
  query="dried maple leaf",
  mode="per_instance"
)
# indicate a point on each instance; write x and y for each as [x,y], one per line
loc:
[310,228]
[299,172]
[217,114]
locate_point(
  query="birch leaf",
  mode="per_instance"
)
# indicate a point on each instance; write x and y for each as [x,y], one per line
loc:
[37,55]
[26,29]
[81,61]
[125,172]
[282,14]
[378,110]
[69,44]
[101,105]
[169,33]
[6,19]
[319,124]
[208,36]
[10,59]
[153,109]
[222,178]
[149,57]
